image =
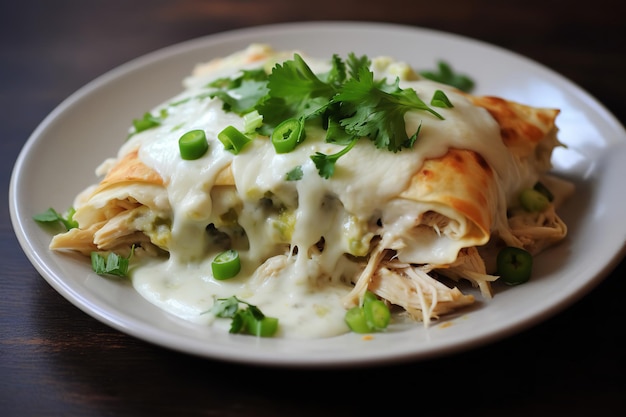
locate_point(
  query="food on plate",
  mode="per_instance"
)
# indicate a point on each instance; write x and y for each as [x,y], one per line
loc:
[306,188]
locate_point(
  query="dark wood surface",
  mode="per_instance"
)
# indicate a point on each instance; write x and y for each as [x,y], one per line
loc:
[57,361]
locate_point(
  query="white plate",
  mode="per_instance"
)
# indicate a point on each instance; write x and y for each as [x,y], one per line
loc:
[59,159]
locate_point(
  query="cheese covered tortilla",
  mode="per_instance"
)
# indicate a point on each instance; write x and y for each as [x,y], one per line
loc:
[392,222]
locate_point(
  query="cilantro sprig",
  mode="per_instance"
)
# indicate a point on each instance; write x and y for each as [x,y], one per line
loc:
[325,164]
[375,110]
[346,98]
[348,94]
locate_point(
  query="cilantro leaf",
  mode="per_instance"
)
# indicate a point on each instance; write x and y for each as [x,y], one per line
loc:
[294,91]
[446,75]
[244,98]
[249,320]
[337,73]
[51,216]
[148,121]
[241,94]
[335,133]
[325,164]
[377,111]
[228,83]
[292,80]
[226,307]
[357,64]
[295,174]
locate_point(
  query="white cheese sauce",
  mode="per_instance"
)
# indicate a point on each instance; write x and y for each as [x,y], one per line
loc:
[303,289]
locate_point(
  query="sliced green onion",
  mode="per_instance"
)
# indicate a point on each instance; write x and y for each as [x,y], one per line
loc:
[265,327]
[233,140]
[514,265]
[372,316]
[248,320]
[368,297]
[376,314]
[533,200]
[193,144]
[145,123]
[355,319]
[287,135]
[111,264]
[539,186]
[226,265]
[440,100]
[252,121]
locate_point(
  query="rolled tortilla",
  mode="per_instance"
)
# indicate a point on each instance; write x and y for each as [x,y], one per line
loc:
[456,204]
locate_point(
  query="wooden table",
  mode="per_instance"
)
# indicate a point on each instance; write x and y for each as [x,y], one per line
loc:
[57,361]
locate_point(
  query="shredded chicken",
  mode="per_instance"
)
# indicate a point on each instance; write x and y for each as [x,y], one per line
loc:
[536,231]
[470,266]
[362,283]
[412,287]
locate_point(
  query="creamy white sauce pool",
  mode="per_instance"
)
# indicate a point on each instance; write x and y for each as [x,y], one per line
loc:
[288,287]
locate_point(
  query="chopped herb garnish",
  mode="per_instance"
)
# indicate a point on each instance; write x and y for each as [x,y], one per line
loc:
[226,265]
[376,111]
[252,121]
[193,144]
[325,164]
[148,121]
[440,99]
[294,91]
[446,75]
[111,263]
[360,105]
[372,315]
[248,320]
[242,93]
[52,217]
[232,139]
[287,135]
[295,174]
[346,101]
